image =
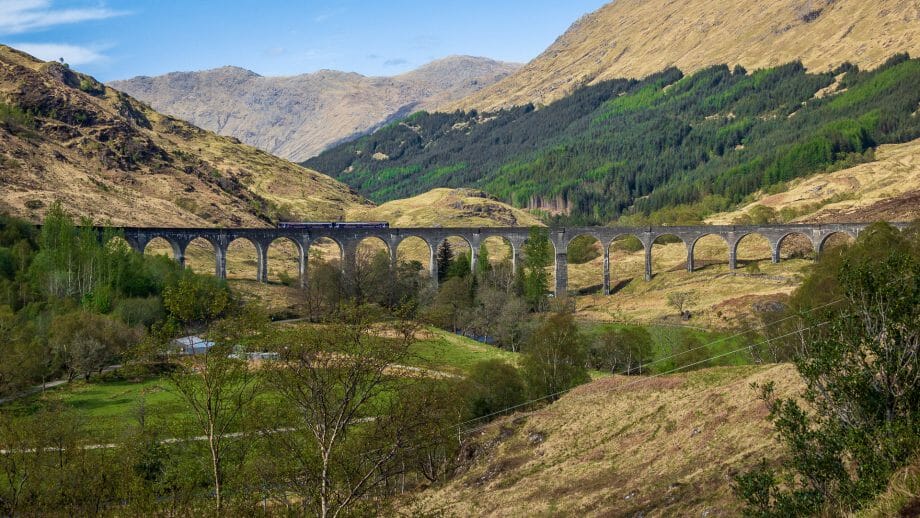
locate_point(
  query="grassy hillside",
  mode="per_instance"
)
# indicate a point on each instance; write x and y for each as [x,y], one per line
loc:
[446,208]
[887,188]
[626,146]
[620,446]
[634,38]
[65,136]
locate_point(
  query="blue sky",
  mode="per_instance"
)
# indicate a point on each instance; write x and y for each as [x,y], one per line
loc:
[117,39]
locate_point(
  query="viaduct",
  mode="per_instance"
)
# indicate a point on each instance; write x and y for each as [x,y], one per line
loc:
[348,240]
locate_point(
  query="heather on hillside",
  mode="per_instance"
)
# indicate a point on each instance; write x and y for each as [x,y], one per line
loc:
[625,147]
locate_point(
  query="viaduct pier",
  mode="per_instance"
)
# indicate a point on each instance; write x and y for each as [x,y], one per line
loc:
[349,239]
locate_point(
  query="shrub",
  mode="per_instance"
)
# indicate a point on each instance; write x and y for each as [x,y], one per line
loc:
[554,358]
[622,350]
[583,249]
[856,422]
[762,215]
[494,386]
[144,311]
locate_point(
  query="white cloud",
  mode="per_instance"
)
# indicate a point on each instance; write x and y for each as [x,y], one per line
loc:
[72,54]
[18,16]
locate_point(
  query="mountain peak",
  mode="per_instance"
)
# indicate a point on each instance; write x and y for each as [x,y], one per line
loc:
[296,117]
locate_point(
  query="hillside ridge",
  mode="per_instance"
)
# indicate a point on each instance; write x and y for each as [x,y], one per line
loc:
[635,38]
[627,147]
[296,117]
[65,136]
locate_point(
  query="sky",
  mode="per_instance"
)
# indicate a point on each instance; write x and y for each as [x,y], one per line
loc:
[119,39]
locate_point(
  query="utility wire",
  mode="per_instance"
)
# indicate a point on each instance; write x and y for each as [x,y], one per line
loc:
[687,396]
[617,387]
[659,360]
[671,371]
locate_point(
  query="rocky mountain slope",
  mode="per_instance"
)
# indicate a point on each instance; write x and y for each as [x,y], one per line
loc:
[297,117]
[65,136]
[634,38]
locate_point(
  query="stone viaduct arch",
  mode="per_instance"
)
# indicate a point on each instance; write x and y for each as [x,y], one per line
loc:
[349,239]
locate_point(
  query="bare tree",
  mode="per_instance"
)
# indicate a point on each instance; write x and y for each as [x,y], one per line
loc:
[218,387]
[681,300]
[348,432]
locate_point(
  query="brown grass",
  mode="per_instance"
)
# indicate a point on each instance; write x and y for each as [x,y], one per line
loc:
[114,170]
[853,194]
[618,448]
[725,298]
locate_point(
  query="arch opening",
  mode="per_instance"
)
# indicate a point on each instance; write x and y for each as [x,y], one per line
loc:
[160,246]
[585,257]
[795,246]
[325,281]
[284,262]
[494,261]
[627,261]
[325,251]
[372,247]
[668,254]
[414,251]
[752,251]
[836,240]
[710,252]
[200,256]
[242,260]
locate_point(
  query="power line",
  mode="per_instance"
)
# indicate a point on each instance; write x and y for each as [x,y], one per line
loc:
[584,449]
[686,396]
[628,370]
[618,387]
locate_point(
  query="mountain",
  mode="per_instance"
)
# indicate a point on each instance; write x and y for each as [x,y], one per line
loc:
[297,117]
[635,38]
[621,147]
[65,136]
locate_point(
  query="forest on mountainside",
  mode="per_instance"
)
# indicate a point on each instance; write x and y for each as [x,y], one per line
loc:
[633,147]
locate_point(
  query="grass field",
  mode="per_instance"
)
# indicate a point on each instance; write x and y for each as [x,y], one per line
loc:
[107,410]
[111,406]
[449,352]
[665,338]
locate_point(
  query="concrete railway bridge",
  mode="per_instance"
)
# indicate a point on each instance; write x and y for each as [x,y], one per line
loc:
[349,239]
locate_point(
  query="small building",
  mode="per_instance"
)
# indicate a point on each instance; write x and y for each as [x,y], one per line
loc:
[192,345]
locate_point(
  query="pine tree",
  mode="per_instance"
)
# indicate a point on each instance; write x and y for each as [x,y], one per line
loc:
[445,257]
